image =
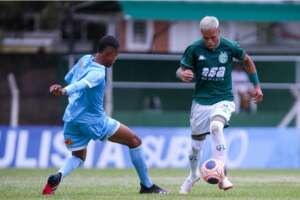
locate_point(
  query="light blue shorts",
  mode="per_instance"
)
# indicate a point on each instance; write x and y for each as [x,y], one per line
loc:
[78,135]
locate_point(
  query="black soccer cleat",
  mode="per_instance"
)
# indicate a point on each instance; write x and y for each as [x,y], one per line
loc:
[52,184]
[153,189]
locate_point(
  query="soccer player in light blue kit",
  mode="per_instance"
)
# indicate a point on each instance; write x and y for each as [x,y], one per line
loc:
[85,119]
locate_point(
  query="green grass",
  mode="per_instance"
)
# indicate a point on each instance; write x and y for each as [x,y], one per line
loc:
[113,184]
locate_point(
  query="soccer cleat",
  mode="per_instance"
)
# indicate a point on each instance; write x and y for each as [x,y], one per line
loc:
[153,189]
[225,184]
[187,185]
[52,183]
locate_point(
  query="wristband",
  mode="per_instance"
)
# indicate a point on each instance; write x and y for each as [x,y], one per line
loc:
[254,78]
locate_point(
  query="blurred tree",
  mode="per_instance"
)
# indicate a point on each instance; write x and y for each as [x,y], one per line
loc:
[12,13]
[52,15]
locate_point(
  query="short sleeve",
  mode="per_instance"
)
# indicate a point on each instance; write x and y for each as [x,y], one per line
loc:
[94,77]
[69,76]
[238,52]
[187,59]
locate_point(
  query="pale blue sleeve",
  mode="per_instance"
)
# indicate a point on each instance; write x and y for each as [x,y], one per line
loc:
[92,79]
[69,76]
[95,77]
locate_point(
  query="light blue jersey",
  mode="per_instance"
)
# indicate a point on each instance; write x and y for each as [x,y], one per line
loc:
[84,116]
[86,91]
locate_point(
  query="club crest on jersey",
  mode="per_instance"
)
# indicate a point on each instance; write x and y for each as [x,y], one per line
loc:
[223,57]
[201,57]
[68,141]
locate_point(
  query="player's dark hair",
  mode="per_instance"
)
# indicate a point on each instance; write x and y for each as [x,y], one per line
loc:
[107,41]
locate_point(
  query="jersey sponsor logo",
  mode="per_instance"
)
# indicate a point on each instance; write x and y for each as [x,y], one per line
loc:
[223,57]
[201,57]
[213,74]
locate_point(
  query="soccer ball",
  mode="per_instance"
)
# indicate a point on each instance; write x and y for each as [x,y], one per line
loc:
[212,171]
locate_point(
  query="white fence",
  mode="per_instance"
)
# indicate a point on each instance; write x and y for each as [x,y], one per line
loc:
[294,88]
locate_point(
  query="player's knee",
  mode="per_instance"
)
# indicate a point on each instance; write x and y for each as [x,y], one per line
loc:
[216,127]
[135,142]
[197,145]
[199,137]
[80,154]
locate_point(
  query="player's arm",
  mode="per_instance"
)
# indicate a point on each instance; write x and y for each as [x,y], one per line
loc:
[251,70]
[92,79]
[185,74]
[58,90]
[185,71]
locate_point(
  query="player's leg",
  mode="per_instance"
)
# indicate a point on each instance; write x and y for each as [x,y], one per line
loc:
[73,162]
[220,115]
[216,130]
[126,137]
[75,142]
[70,165]
[199,121]
[195,153]
[220,149]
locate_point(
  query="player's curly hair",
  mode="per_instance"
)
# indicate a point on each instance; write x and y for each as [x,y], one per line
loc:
[107,41]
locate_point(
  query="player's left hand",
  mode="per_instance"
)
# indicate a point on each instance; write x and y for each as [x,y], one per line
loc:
[257,94]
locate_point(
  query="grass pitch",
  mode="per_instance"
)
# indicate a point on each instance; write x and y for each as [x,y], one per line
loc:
[116,184]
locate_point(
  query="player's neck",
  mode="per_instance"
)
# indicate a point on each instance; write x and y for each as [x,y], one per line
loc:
[98,59]
[218,43]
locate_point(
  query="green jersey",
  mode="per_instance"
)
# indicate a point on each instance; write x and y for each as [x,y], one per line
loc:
[212,69]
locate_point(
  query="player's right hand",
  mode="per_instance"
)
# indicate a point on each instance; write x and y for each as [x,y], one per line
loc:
[56,90]
[187,75]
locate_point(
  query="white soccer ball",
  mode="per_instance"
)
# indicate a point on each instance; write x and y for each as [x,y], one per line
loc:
[212,171]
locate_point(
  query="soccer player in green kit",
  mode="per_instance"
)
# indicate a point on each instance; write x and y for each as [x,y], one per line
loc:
[208,62]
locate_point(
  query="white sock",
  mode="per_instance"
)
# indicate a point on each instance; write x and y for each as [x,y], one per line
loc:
[194,157]
[70,165]
[219,145]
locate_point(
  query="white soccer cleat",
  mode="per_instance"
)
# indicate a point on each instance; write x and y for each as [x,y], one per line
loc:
[225,184]
[188,183]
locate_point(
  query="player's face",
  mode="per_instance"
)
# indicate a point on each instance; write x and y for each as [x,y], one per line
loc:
[211,38]
[110,55]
